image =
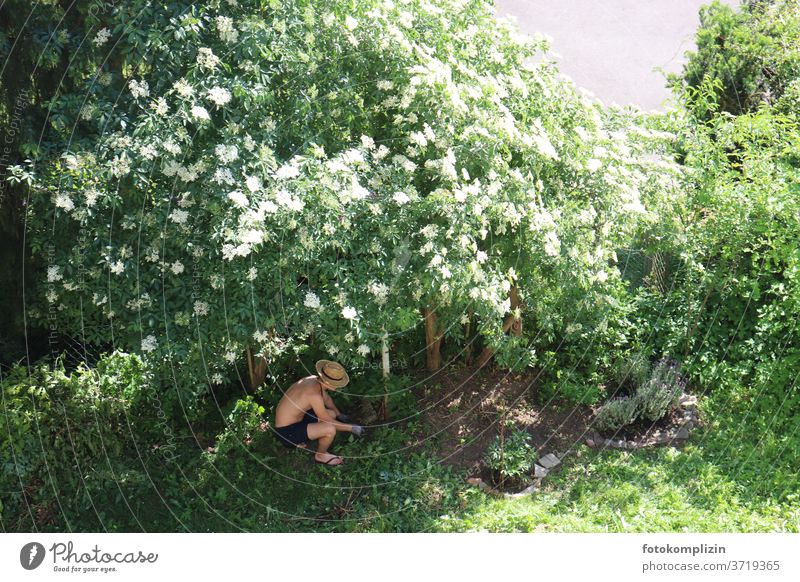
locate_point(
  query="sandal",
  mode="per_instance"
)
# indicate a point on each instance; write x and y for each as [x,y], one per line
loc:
[329,461]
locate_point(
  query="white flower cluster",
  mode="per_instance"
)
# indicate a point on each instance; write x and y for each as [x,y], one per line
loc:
[227,31]
[200,113]
[101,37]
[379,290]
[183,88]
[63,201]
[220,96]
[226,153]
[139,89]
[149,343]
[311,300]
[206,59]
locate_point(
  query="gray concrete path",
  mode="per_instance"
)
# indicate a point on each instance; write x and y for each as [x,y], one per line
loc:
[612,47]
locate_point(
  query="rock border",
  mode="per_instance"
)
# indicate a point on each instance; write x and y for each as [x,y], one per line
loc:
[541,469]
[673,437]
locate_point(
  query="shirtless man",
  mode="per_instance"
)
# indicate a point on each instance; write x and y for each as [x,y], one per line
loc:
[307,412]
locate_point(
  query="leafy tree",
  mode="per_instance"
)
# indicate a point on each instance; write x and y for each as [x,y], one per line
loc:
[242,177]
[752,54]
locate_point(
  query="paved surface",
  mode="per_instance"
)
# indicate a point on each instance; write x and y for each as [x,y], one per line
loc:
[612,47]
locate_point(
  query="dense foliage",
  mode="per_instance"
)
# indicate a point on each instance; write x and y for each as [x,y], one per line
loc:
[750,54]
[219,181]
[277,177]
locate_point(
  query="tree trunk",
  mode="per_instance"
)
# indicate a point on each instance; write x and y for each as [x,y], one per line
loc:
[386,369]
[256,368]
[467,342]
[516,325]
[511,324]
[433,340]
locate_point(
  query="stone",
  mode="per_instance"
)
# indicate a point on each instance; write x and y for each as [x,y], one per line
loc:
[589,443]
[688,401]
[683,433]
[540,472]
[608,443]
[475,481]
[530,489]
[549,461]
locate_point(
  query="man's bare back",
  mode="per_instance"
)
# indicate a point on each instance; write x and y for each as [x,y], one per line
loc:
[299,398]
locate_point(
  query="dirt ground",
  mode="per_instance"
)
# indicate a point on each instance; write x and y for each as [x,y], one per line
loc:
[464,408]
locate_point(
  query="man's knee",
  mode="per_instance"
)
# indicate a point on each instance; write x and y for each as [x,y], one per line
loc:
[322,430]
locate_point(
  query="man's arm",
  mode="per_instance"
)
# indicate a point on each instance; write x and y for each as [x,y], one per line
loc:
[330,404]
[321,412]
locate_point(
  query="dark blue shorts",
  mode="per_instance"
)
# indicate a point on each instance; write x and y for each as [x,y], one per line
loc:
[297,433]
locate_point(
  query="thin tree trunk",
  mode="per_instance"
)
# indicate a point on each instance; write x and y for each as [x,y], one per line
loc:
[467,342]
[511,324]
[256,368]
[386,369]
[516,326]
[433,340]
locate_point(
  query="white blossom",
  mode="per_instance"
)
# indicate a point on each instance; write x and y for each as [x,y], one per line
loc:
[401,198]
[227,32]
[226,153]
[253,183]
[139,89]
[363,350]
[160,106]
[199,112]
[64,202]
[177,267]
[200,308]
[238,198]
[149,343]
[311,300]
[54,274]
[206,59]
[219,96]
[349,313]
[183,88]
[287,171]
[101,37]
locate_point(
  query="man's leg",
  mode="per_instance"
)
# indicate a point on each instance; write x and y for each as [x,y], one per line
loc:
[325,433]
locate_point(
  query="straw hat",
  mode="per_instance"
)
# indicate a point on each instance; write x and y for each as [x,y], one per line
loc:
[332,373]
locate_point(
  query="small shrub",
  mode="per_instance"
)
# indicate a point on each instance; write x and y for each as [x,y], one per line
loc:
[615,414]
[662,391]
[511,456]
[629,372]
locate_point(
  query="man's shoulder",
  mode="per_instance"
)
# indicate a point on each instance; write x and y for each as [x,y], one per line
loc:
[309,384]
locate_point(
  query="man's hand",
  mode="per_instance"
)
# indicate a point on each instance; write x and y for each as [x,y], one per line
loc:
[342,417]
[357,430]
